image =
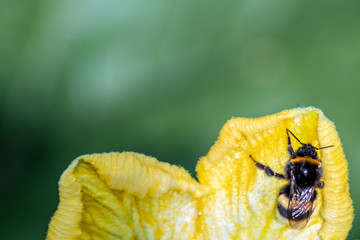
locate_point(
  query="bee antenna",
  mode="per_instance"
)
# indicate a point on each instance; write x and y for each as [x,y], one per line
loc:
[324,147]
[294,136]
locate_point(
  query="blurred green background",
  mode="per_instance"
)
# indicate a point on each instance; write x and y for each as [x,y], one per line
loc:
[160,78]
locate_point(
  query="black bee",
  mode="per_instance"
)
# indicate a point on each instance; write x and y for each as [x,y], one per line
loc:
[297,200]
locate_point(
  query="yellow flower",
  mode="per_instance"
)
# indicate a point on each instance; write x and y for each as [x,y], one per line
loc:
[132,196]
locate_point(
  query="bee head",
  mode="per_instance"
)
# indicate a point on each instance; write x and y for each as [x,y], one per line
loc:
[307,150]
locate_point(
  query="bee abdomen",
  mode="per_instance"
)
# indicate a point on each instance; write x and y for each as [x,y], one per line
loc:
[283,205]
[297,217]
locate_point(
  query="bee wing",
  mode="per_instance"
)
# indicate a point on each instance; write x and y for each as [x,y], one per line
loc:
[300,204]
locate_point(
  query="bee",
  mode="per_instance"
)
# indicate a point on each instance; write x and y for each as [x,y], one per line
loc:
[297,199]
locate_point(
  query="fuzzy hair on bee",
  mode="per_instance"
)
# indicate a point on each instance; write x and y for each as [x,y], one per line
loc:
[303,170]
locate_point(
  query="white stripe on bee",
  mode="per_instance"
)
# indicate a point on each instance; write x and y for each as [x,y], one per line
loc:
[281,218]
[283,201]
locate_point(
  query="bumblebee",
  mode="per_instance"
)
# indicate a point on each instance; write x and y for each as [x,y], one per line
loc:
[297,199]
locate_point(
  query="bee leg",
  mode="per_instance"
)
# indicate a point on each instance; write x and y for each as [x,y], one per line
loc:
[320,184]
[290,148]
[267,169]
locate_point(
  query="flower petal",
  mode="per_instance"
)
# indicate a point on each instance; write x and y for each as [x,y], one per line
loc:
[129,195]
[243,200]
[125,196]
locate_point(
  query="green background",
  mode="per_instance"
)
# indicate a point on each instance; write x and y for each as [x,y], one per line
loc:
[160,77]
